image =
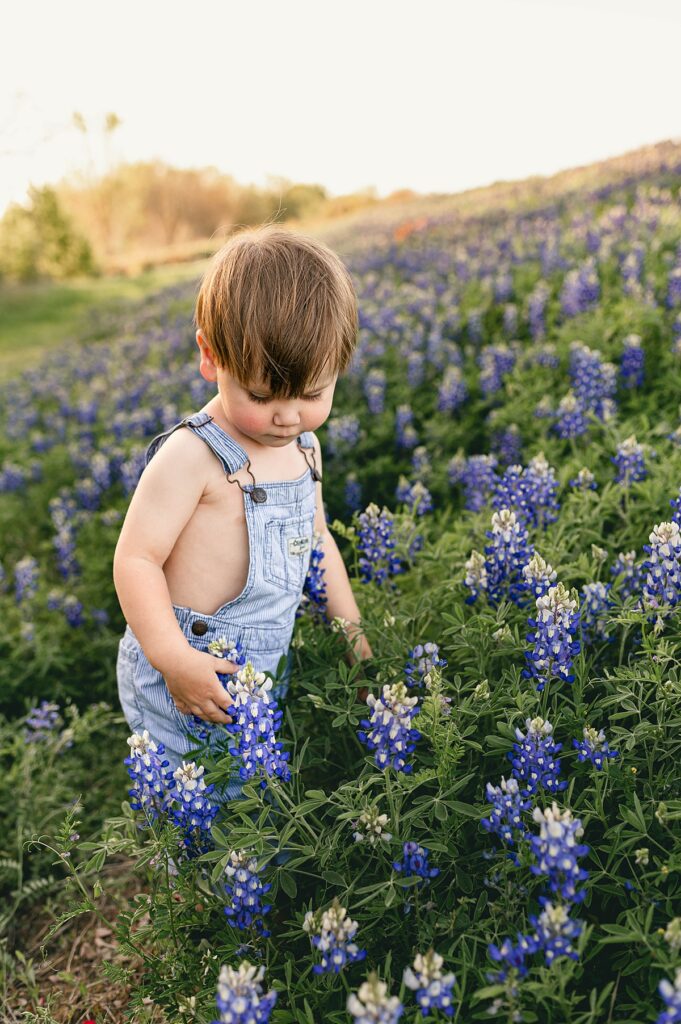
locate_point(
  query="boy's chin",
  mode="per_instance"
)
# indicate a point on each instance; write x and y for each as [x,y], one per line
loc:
[275,441]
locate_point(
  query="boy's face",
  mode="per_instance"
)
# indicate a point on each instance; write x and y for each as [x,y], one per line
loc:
[271,422]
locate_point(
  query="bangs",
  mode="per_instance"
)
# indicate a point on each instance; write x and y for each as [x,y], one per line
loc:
[279,309]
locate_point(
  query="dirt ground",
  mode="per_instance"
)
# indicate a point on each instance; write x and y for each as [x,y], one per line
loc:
[69,982]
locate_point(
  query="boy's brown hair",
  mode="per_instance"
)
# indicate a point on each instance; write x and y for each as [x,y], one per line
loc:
[278,307]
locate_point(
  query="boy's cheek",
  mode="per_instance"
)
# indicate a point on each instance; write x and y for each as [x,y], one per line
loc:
[253,423]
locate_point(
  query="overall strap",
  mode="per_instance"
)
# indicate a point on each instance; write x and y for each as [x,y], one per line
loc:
[231,455]
[306,439]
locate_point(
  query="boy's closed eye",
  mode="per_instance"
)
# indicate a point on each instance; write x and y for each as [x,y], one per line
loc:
[263,399]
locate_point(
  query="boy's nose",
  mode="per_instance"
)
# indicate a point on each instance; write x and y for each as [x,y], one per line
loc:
[286,419]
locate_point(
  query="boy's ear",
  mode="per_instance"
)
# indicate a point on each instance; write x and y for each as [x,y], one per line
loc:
[207,366]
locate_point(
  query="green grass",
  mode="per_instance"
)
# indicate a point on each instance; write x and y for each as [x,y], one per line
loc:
[35,318]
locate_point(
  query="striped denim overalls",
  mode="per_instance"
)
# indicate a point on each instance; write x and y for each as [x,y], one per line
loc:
[280,535]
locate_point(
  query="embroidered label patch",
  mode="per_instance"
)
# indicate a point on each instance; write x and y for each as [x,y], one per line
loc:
[298,545]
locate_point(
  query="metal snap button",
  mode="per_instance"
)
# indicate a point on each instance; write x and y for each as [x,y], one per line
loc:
[199,627]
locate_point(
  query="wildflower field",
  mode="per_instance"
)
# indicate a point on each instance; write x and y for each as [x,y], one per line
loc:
[496,833]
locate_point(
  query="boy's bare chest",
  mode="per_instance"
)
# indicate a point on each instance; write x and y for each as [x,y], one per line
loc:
[208,565]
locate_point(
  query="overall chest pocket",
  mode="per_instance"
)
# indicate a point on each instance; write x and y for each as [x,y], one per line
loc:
[288,546]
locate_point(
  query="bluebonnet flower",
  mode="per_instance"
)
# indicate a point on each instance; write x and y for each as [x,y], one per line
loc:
[544,355]
[503,286]
[512,956]
[415,368]
[375,545]
[594,609]
[632,362]
[26,574]
[371,827]
[663,567]
[676,505]
[452,391]
[414,863]
[389,732]
[100,469]
[671,994]
[374,390]
[536,309]
[594,747]
[420,462]
[534,759]
[476,576]
[314,589]
[510,319]
[478,480]
[415,496]
[530,492]
[12,477]
[508,492]
[584,480]
[66,520]
[456,467]
[538,576]
[555,931]
[221,647]
[152,777]
[540,486]
[629,462]
[433,988]
[27,631]
[594,382]
[195,812]
[405,434]
[570,418]
[73,610]
[131,470]
[631,268]
[88,493]
[42,721]
[372,1004]
[343,433]
[674,288]
[506,556]
[508,804]
[245,890]
[332,932]
[240,997]
[495,362]
[353,493]
[474,324]
[255,720]
[556,850]
[552,636]
[581,289]
[507,444]
[422,659]
[544,410]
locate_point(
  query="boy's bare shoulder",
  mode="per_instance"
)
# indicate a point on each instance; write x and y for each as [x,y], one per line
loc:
[184,454]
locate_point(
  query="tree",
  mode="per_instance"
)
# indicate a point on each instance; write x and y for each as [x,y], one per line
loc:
[39,240]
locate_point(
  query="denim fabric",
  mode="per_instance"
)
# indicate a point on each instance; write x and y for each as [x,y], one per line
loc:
[261,617]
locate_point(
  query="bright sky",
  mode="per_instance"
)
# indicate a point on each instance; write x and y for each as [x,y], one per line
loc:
[437,95]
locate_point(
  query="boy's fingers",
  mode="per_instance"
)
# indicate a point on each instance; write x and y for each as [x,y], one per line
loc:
[225,667]
[217,713]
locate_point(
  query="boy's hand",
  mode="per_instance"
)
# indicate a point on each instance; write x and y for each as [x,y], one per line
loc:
[195,687]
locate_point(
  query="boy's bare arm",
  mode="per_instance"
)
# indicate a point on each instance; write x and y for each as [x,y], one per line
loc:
[165,498]
[340,598]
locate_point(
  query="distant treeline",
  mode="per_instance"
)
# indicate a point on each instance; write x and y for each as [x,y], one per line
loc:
[144,214]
